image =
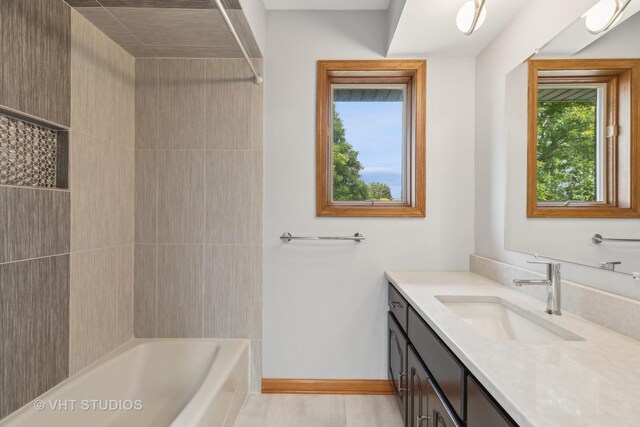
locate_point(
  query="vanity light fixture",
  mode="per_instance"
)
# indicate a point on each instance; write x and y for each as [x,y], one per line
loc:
[604,14]
[471,16]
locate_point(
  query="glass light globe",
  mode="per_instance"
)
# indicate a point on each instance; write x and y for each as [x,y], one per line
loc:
[464,19]
[597,18]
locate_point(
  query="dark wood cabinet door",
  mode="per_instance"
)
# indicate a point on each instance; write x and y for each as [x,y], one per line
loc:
[398,306]
[442,365]
[397,373]
[482,411]
[440,413]
[417,399]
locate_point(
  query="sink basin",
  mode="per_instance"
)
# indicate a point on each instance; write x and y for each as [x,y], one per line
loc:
[500,320]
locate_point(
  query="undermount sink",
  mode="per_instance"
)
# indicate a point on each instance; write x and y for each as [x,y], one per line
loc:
[498,319]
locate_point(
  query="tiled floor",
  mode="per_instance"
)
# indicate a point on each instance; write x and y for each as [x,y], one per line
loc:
[295,410]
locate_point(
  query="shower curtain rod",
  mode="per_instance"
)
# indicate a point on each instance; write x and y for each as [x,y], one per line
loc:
[257,78]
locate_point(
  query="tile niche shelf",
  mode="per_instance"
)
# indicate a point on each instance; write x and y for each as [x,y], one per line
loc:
[32,154]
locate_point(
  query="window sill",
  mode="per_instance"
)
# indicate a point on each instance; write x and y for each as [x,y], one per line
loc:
[583,212]
[371,211]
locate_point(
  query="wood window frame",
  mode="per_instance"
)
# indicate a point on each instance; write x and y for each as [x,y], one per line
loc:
[622,179]
[411,72]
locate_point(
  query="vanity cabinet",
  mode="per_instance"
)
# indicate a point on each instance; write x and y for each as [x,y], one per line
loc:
[397,353]
[432,387]
[426,407]
[446,371]
[482,410]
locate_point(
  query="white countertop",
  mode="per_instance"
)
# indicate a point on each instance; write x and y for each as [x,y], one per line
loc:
[595,382]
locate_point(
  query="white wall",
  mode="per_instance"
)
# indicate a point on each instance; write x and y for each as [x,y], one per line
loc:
[538,23]
[325,303]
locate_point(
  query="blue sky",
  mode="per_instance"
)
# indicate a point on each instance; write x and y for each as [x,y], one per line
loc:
[374,129]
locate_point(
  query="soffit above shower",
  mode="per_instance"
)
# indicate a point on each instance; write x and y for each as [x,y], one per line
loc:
[170,28]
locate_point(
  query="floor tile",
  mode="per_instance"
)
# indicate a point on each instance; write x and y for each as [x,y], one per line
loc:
[293,410]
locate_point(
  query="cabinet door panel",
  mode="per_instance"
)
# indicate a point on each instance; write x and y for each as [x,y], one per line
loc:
[398,306]
[397,353]
[447,372]
[417,400]
[481,410]
[440,413]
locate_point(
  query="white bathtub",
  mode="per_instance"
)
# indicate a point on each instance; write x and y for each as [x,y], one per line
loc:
[174,382]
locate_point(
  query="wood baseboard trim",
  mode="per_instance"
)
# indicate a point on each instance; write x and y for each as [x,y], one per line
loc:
[304,386]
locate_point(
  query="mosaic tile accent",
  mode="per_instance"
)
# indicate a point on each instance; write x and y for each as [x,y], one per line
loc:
[28,153]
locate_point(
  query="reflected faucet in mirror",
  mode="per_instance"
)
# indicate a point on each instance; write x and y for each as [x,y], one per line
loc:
[609,265]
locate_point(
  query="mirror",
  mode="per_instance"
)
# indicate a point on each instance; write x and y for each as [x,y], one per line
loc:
[582,144]
[547,198]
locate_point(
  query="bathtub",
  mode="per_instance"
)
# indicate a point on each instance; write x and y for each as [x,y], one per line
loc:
[149,382]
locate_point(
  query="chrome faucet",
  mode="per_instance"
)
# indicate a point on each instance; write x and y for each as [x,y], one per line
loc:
[552,282]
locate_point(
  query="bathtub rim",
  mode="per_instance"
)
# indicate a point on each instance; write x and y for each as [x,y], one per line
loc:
[240,344]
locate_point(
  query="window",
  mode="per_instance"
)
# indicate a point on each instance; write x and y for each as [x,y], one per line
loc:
[583,146]
[371,138]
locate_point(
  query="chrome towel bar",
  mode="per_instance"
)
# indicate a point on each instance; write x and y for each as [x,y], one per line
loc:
[597,239]
[287,237]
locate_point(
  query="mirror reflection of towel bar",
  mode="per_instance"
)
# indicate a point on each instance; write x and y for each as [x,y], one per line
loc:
[287,237]
[597,239]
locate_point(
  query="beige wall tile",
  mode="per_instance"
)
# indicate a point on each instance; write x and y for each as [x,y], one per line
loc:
[212,196]
[102,85]
[144,299]
[107,23]
[197,51]
[146,196]
[93,311]
[180,197]
[36,223]
[232,275]
[234,197]
[241,24]
[146,103]
[34,70]
[124,183]
[181,96]
[102,184]
[34,326]
[125,270]
[175,27]
[84,162]
[179,291]
[234,106]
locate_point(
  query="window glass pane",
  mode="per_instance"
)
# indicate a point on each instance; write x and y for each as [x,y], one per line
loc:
[570,151]
[368,143]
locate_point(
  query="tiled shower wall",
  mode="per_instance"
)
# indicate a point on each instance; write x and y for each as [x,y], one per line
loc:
[102,189]
[66,256]
[34,222]
[198,201]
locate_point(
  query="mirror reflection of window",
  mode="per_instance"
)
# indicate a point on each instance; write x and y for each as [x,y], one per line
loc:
[571,143]
[584,144]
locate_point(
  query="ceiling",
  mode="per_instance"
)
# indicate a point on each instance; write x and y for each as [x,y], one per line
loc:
[326,4]
[170,28]
[429,26]
[425,26]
